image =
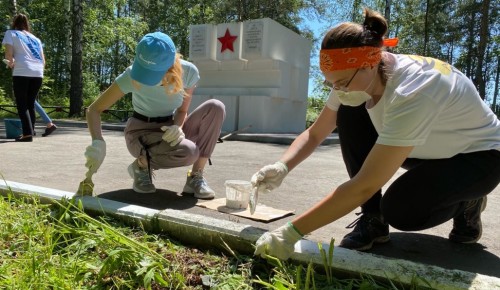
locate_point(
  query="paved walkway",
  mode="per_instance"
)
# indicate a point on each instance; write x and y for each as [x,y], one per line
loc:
[57,162]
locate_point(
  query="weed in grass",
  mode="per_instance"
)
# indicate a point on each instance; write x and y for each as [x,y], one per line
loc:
[283,276]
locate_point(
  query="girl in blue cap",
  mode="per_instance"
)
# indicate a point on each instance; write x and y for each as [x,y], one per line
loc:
[160,134]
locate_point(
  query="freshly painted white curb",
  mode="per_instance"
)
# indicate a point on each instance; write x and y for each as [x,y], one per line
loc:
[395,269]
[209,232]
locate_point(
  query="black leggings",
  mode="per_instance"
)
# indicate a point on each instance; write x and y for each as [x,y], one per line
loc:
[26,90]
[430,192]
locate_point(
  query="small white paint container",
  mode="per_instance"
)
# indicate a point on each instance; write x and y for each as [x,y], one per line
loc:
[237,193]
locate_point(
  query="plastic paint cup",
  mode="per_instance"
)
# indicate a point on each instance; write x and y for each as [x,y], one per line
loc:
[237,193]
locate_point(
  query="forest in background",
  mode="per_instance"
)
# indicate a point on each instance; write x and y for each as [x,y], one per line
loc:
[87,43]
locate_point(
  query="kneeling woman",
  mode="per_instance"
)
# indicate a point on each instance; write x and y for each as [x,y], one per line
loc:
[393,111]
[160,134]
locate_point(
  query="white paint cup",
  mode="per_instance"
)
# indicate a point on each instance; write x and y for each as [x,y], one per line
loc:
[237,193]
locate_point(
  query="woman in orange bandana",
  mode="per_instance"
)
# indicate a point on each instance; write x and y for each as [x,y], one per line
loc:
[393,111]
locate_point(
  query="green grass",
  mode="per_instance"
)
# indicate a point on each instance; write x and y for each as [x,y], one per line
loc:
[59,246]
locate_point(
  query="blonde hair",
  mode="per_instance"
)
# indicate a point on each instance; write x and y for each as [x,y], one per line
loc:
[172,80]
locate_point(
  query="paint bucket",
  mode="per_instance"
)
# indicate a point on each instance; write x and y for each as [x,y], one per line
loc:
[13,128]
[237,193]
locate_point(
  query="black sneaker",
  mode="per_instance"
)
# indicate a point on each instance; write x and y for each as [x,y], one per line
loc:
[49,130]
[368,229]
[467,227]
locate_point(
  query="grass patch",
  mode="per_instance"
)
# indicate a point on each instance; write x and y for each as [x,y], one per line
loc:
[59,246]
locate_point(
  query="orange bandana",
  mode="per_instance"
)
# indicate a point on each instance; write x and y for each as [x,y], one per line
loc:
[352,57]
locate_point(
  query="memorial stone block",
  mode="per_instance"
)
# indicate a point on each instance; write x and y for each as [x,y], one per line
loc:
[201,44]
[202,47]
[261,74]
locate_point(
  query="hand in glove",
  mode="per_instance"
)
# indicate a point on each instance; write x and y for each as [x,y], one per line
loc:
[173,134]
[270,177]
[278,243]
[95,154]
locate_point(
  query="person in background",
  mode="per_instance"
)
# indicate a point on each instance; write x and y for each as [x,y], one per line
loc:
[393,111]
[50,126]
[24,54]
[160,134]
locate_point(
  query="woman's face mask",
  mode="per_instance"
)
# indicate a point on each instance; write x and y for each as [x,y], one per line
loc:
[352,98]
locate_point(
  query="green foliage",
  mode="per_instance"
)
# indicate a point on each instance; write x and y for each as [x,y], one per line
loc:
[3,98]
[112,29]
[61,247]
[90,88]
[314,108]
[449,31]
[290,276]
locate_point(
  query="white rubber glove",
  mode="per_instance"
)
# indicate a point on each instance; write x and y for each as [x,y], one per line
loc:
[270,176]
[278,243]
[95,154]
[173,134]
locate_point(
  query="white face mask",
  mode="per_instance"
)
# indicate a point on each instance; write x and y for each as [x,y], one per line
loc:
[354,98]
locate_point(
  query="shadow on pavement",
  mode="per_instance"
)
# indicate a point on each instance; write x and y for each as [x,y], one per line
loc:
[162,199]
[439,251]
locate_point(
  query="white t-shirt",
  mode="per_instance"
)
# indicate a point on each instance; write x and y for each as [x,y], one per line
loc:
[153,101]
[28,53]
[431,105]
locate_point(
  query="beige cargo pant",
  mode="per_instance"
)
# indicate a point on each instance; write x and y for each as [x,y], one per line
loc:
[202,128]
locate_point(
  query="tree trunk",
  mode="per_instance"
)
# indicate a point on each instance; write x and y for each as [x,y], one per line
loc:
[13,11]
[481,48]
[13,7]
[494,106]
[76,87]
[426,27]
[67,26]
[470,43]
[387,14]
[356,6]
[116,50]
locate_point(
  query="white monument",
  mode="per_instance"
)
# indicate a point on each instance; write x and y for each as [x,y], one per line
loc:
[259,69]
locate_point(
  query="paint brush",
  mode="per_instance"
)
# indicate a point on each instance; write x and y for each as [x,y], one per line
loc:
[254,198]
[86,186]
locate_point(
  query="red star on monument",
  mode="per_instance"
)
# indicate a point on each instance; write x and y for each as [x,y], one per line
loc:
[227,41]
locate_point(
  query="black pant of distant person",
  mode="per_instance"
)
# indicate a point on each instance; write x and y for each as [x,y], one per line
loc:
[26,90]
[431,191]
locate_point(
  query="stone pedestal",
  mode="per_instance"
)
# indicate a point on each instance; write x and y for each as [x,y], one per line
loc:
[259,69]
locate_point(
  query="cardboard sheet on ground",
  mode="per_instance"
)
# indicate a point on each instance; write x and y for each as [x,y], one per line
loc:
[262,212]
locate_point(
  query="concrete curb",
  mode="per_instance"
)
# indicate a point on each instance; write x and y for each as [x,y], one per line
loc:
[206,232]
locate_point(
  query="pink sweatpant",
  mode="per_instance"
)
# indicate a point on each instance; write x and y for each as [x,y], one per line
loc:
[202,129]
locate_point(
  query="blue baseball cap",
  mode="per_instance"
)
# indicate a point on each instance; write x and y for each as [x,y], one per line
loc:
[154,55]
